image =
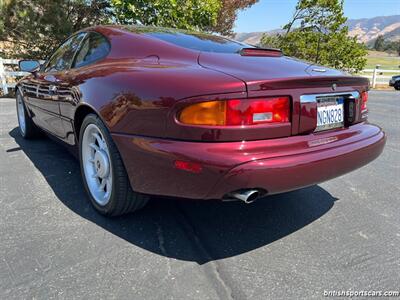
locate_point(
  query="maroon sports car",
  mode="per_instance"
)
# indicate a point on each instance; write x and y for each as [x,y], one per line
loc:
[153,111]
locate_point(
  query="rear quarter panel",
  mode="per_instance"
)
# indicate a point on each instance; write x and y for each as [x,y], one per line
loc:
[134,96]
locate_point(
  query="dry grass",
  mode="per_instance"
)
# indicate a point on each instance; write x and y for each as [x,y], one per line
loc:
[386,60]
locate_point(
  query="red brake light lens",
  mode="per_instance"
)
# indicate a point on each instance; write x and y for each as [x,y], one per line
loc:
[261,52]
[364,100]
[252,112]
[238,112]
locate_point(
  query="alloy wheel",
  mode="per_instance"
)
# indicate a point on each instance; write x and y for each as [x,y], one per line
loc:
[97,164]
[21,115]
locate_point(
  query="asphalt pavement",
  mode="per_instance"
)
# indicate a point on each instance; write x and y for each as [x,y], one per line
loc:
[343,234]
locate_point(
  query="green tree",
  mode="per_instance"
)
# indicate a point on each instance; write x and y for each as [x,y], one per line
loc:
[317,33]
[271,41]
[207,15]
[379,43]
[1,19]
[392,46]
[35,28]
[398,47]
[228,13]
[183,14]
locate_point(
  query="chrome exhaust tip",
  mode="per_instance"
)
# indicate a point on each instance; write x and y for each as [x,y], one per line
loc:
[247,196]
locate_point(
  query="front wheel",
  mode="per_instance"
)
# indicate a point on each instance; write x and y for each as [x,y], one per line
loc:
[27,128]
[397,87]
[103,171]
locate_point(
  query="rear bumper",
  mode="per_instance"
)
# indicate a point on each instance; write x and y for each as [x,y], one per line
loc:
[276,165]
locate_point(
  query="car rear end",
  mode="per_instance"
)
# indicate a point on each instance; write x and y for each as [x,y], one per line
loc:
[295,137]
[294,125]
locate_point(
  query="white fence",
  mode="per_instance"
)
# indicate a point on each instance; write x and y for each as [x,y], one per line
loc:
[5,75]
[376,76]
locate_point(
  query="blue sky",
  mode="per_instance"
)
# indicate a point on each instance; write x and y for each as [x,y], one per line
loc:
[272,14]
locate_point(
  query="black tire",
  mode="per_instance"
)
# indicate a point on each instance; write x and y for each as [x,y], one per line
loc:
[397,87]
[31,130]
[123,199]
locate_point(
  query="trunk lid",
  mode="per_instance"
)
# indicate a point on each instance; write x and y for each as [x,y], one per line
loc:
[284,76]
[256,71]
[271,73]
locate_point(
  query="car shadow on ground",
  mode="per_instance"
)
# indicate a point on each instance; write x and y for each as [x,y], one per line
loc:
[189,230]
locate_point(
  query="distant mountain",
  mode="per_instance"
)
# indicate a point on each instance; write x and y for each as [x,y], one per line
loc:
[367,30]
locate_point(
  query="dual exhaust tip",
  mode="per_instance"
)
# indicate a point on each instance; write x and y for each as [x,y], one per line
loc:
[247,196]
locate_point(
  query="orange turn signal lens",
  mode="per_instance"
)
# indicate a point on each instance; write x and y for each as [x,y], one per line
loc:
[204,113]
[237,112]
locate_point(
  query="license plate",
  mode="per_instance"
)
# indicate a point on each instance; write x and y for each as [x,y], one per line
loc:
[330,113]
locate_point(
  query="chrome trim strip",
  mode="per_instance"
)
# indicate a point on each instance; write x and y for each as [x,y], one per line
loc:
[313,98]
[319,70]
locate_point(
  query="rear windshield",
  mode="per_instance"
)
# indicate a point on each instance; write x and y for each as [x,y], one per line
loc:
[201,42]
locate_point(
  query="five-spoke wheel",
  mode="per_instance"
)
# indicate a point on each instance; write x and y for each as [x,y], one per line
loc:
[27,128]
[103,171]
[21,114]
[97,164]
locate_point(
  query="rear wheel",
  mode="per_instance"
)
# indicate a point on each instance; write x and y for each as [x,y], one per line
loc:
[103,171]
[27,128]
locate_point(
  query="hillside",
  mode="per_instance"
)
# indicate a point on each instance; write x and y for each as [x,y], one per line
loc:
[253,38]
[367,30]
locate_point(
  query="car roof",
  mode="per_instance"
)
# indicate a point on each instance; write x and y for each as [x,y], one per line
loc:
[186,39]
[142,29]
[156,32]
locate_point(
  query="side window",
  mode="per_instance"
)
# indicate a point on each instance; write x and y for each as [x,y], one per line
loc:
[62,58]
[94,47]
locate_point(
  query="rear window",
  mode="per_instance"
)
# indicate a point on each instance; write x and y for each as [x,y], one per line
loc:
[200,42]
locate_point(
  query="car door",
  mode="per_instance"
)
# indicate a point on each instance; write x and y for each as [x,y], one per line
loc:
[44,104]
[93,48]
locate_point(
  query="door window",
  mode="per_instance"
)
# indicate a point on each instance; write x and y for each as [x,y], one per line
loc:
[94,47]
[64,55]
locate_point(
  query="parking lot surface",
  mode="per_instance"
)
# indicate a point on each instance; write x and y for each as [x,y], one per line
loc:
[343,234]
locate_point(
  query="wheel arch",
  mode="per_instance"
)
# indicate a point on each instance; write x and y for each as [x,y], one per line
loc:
[18,89]
[80,113]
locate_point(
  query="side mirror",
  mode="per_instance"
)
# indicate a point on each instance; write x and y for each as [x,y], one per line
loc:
[30,66]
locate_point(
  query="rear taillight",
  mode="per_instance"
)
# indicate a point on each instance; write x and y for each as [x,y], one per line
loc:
[364,100]
[237,112]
